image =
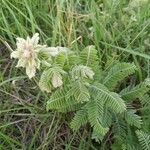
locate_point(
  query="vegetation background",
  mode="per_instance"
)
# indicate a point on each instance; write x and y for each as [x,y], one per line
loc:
[120,30]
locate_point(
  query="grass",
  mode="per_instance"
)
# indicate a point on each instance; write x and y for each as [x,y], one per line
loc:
[24,122]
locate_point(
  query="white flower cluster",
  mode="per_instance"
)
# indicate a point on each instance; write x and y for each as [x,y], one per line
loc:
[27,53]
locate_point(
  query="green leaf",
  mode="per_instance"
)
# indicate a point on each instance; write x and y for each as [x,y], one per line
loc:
[132,118]
[79,119]
[144,139]
[113,100]
[117,73]
[132,92]
[95,120]
[51,78]
[145,99]
[45,81]
[90,58]
[81,72]
[79,91]
[59,100]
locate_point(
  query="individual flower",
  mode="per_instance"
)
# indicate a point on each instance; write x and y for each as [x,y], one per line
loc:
[27,54]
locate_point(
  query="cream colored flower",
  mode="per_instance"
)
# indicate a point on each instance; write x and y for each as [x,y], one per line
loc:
[27,54]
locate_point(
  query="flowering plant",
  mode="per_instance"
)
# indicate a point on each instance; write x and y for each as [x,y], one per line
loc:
[77,83]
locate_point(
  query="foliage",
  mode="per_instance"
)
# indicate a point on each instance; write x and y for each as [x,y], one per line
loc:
[118,32]
[76,88]
[144,139]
